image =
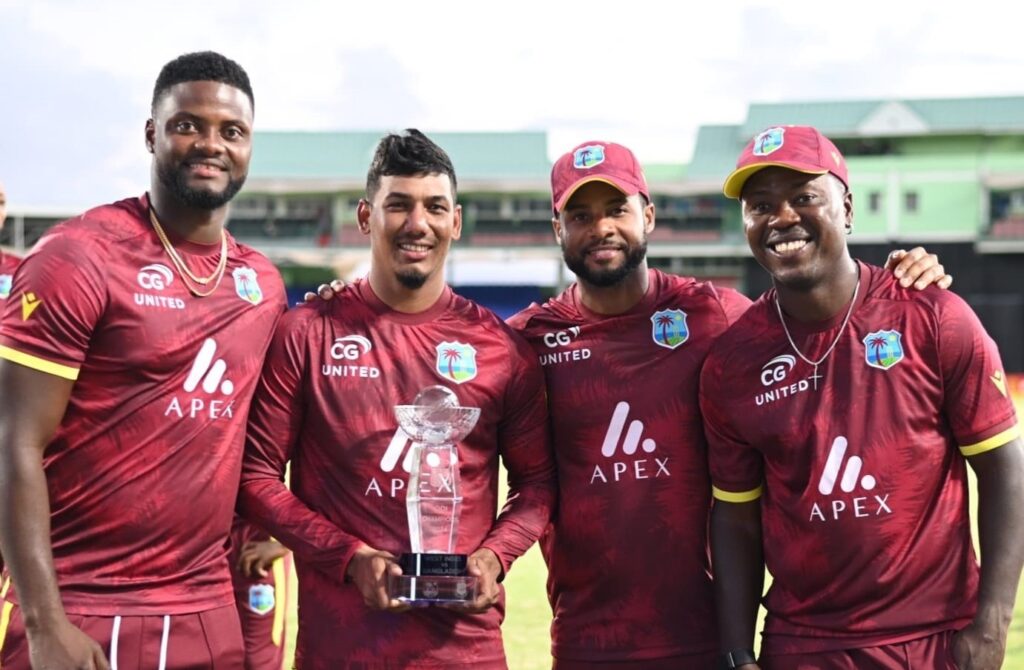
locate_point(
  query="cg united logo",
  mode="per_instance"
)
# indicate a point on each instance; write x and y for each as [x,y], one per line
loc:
[344,353]
[154,279]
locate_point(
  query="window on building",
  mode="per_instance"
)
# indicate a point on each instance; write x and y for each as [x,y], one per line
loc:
[910,201]
[874,202]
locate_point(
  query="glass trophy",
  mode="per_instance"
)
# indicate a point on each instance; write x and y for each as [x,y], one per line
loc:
[432,573]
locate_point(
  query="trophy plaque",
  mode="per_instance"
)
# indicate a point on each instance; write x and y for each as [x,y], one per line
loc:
[432,573]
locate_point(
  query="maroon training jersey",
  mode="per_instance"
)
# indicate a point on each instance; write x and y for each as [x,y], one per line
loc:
[866,523]
[333,375]
[143,470]
[627,550]
[8,263]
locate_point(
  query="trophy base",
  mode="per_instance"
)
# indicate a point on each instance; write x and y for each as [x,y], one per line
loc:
[431,579]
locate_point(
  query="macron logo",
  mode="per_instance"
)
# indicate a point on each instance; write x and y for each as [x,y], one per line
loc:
[208,371]
[636,428]
[850,474]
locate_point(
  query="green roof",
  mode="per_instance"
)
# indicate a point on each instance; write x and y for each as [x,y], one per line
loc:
[346,155]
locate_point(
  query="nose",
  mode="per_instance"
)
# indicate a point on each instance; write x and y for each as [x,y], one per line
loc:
[784,217]
[209,142]
[417,218]
[604,226]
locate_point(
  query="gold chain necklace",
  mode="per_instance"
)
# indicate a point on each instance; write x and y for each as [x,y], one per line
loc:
[183,271]
[839,335]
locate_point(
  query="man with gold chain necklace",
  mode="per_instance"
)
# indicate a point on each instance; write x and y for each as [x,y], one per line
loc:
[841,411]
[129,351]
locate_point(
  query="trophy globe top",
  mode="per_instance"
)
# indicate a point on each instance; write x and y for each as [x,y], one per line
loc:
[435,417]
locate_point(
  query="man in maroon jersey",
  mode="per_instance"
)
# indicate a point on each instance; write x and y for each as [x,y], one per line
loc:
[129,351]
[622,350]
[259,572]
[333,375]
[841,411]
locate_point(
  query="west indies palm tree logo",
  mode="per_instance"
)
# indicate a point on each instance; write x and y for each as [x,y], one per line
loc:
[668,328]
[246,285]
[456,361]
[883,349]
[588,157]
[5,285]
[769,141]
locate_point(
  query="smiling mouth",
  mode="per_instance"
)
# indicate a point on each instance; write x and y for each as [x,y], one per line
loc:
[414,248]
[789,247]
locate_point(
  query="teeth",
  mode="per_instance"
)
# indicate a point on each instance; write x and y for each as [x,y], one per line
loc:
[786,247]
[413,247]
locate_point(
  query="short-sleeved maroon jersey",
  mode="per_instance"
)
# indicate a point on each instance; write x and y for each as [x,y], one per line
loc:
[143,469]
[866,523]
[8,264]
[333,375]
[627,551]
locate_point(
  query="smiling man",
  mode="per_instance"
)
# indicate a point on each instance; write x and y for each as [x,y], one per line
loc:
[333,375]
[841,413]
[129,351]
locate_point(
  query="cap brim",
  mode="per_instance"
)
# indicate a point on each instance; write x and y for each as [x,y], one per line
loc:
[586,180]
[733,186]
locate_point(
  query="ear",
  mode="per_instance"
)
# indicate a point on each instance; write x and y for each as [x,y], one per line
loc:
[848,212]
[363,210]
[457,223]
[556,227]
[649,218]
[150,135]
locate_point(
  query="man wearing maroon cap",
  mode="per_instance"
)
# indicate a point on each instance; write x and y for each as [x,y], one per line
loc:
[622,350]
[841,411]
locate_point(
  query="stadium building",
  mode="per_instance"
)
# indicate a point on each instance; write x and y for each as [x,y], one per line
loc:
[945,173]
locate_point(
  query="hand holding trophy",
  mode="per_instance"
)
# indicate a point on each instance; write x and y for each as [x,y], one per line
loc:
[432,573]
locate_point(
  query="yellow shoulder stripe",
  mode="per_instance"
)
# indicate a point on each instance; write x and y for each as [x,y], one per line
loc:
[740,497]
[991,443]
[41,364]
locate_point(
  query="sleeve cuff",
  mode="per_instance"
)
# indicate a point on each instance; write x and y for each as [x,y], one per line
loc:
[36,363]
[994,442]
[737,496]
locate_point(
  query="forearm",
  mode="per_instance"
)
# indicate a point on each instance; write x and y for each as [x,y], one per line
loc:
[313,538]
[526,514]
[738,563]
[25,534]
[1000,533]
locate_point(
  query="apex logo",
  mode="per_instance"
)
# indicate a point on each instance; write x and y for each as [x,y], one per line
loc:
[853,467]
[399,449]
[637,468]
[210,372]
[851,477]
[207,374]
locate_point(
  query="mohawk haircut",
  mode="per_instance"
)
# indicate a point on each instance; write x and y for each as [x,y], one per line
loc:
[202,66]
[408,154]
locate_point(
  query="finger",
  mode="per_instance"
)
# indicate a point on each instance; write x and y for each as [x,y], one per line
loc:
[99,660]
[894,258]
[945,282]
[930,276]
[337,286]
[309,296]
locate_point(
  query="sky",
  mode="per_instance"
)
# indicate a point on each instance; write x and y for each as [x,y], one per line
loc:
[76,78]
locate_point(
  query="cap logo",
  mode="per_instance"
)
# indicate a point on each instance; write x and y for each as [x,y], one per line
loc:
[837,158]
[769,141]
[588,157]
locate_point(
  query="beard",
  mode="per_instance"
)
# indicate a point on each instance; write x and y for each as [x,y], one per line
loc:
[635,255]
[411,279]
[176,181]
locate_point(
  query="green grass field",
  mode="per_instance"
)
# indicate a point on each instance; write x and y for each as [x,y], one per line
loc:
[528,617]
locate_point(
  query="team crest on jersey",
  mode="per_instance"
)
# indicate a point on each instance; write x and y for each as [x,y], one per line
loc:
[769,141]
[668,328]
[246,286]
[5,286]
[456,361]
[588,157]
[261,598]
[883,348]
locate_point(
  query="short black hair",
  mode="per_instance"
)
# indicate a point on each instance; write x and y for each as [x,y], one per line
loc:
[407,154]
[202,66]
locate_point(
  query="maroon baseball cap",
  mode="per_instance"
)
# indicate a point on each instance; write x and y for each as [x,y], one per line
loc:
[800,148]
[596,161]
